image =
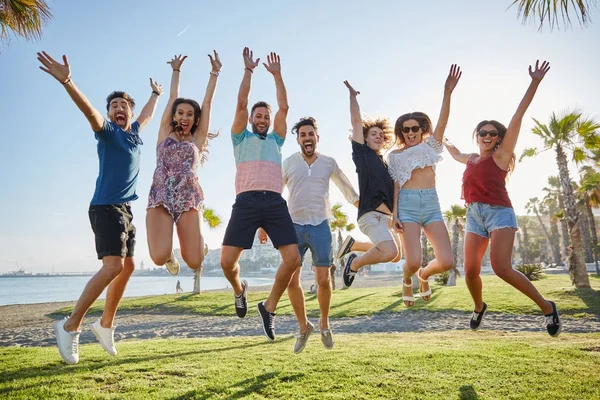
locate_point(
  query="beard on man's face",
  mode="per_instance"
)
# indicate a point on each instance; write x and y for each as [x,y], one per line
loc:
[256,130]
[308,148]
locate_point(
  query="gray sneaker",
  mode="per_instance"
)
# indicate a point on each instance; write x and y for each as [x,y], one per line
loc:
[327,338]
[301,339]
[173,265]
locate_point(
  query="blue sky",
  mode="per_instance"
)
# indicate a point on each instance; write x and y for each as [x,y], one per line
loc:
[396,53]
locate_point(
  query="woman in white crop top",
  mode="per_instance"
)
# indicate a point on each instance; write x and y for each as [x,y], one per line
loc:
[416,204]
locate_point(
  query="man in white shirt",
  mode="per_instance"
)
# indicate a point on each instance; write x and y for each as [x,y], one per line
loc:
[307,175]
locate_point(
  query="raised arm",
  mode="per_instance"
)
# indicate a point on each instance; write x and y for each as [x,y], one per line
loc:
[241,110]
[456,154]
[273,65]
[451,81]
[505,150]
[396,224]
[355,118]
[62,73]
[148,111]
[202,130]
[165,121]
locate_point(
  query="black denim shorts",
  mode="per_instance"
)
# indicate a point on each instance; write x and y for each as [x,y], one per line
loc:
[259,209]
[113,230]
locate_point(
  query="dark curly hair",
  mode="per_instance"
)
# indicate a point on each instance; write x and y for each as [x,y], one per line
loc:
[422,119]
[119,95]
[306,121]
[383,124]
[197,112]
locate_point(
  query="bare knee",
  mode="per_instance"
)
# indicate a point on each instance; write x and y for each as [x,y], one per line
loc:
[160,258]
[295,281]
[128,266]
[324,280]
[194,261]
[471,272]
[113,267]
[445,262]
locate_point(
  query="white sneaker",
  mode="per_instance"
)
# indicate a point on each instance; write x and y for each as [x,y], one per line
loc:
[172,265]
[68,342]
[106,337]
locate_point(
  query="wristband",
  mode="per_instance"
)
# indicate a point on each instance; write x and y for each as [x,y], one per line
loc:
[67,81]
[156,93]
[251,70]
[178,70]
[215,73]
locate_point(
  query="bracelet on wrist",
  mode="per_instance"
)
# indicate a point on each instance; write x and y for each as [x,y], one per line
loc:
[175,69]
[67,81]
[215,73]
[156,93]
[251,70]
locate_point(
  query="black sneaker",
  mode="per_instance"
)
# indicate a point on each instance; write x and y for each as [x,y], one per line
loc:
[241,304]
[348,273]
[477,317]
[345,247]
[268,320]
[553,324]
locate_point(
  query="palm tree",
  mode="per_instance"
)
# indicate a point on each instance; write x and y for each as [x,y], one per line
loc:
[589,193]
[573,133]
[555,202]
[523,238]
[338,224]
[534,205]
[213,221]
[553,11]
[456,214]
[23,18]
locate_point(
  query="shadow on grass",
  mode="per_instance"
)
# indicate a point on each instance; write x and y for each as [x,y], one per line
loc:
[59,368]
[467,392]
[590,297]
[248,387]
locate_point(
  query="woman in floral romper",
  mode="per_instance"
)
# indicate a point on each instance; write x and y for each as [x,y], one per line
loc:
[176,196]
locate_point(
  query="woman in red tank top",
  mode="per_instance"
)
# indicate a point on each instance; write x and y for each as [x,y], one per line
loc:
[490,214]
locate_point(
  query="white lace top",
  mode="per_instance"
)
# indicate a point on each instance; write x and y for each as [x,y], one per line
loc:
[425,154]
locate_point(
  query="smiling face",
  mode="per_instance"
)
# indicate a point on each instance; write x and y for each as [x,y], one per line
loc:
[412,133]
[184,117]
[307,139]
[260,120]
[120,112]
[375,138]
[490,139]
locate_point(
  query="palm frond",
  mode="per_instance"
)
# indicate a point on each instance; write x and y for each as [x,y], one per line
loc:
[553,12]
[23,18]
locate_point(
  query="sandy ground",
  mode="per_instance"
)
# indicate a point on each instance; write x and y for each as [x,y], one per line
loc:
[31,325]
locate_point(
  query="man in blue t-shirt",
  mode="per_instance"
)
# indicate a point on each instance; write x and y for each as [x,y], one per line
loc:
[110,212]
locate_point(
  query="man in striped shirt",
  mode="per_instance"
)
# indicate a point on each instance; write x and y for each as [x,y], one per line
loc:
[258,186]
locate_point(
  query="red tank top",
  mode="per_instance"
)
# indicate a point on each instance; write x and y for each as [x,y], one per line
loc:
[485,182]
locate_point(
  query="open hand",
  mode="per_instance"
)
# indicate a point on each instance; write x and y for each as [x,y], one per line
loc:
[61,72]
[248,59]
[397,225]
[351,89]
[540,70]
[215,62]
[273,64]
[177,61]
[156,87]
[453,78]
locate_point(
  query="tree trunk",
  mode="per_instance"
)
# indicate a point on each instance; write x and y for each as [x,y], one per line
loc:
[585,236]
[555,240]
[197,275]
[577,268]
[564,228]
[555,251]
[527,259]
[424,258]
[455,238]
[521,249]
[594,237]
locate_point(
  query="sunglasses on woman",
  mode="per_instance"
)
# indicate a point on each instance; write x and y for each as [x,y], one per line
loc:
[485,133]
[414,128]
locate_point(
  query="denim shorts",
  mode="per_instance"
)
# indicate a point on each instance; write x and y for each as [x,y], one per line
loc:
[483,219]
[420,206]
[376,226]
[317,238]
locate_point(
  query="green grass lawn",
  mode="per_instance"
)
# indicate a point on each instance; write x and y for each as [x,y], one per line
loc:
[352,302]
[440,365]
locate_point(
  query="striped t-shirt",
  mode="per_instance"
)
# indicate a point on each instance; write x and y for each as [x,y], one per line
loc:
[258,162]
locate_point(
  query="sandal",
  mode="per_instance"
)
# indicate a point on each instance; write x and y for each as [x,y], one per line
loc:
[406,299]
[426,293]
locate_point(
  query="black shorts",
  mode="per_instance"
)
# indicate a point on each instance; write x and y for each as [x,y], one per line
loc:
[113,230]
[259,209]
